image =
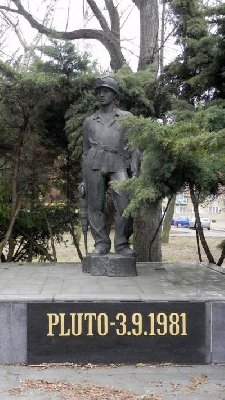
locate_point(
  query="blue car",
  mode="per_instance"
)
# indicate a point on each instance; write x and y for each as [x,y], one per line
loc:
[181,222]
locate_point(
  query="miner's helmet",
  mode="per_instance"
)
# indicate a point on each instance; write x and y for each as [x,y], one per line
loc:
[107,81]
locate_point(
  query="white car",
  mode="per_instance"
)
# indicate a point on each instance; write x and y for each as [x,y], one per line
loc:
[205,222]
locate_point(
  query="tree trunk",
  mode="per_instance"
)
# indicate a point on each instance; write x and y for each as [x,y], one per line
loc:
[9,230]
[29,253]
[221,259]
[15,176]
[199,226]
[162,38]
[198,245]
[148,244]
[75,240]
[168,220]
[147,233]
[149,23]
[54,255]
[70,206]
[30,246]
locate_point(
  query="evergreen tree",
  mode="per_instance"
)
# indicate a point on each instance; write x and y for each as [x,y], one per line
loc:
[33,105]
[196,76]
[186,153]
[198,73]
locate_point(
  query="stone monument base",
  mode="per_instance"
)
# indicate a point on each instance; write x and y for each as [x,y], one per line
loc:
[109,265]
[170,313]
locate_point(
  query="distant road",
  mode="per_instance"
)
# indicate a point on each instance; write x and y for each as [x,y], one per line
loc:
[191,232]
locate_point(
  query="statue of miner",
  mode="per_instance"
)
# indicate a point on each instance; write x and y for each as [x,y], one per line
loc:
[105,159]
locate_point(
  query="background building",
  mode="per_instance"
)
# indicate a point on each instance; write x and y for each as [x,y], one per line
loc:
[212,208]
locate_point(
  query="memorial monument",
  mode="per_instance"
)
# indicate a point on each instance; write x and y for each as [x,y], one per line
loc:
[107,158]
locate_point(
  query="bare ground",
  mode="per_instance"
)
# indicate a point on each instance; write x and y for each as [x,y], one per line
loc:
[179,248]
[185,249]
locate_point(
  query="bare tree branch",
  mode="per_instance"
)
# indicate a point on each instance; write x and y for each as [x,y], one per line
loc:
[14,24]
[33,22]
[76,34]
[4,27]
[162,38]
[13,10]
[15,27]
[46,20]
[68,16]
[98,14]
[129,13]
[137,3]
[106,37]
[114,17]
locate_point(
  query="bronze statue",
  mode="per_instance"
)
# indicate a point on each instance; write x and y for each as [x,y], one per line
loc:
[105,159]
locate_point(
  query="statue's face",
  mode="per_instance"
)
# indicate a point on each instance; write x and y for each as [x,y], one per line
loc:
[105,95]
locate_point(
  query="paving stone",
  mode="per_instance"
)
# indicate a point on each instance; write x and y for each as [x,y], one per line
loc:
[159,382]
[13,345]
[218,332]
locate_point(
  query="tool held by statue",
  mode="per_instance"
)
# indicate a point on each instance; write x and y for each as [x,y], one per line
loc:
[83,212]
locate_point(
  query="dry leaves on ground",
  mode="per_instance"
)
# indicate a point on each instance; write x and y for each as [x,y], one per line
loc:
[195,383]
[70,391]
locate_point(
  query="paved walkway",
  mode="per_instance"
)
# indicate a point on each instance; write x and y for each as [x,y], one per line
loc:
[142,382]
[155,282]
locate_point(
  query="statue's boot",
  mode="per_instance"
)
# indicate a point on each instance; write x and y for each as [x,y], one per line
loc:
[126,251]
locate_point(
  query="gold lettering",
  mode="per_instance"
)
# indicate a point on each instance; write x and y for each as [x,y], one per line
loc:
[90,317]
[152,324]
[137,322]
[62,326]
[184,324]
[103,324]
[159,324]
[121,317]
[53,320]
[76,323]
[174,327]
[163,323]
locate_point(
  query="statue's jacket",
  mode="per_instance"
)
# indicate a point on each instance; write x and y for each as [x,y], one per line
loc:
[105,146]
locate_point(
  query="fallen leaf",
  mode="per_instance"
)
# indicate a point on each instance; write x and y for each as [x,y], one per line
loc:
[195,383]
